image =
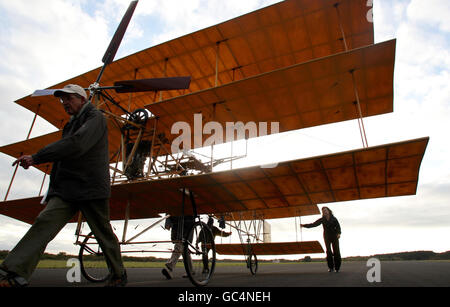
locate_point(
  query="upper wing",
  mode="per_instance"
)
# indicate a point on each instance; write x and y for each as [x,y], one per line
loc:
[280,35]
[300,96]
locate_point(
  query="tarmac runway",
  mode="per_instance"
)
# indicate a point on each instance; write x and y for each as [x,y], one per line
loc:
[352,274]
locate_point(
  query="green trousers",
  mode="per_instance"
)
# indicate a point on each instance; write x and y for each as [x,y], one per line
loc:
[25,256]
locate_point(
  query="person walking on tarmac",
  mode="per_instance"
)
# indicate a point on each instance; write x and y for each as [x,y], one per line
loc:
[180,227]
[215,232]
[331,235]
[79,181]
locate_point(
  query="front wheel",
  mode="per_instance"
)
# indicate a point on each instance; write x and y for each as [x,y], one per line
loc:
[93,264]
[199,254]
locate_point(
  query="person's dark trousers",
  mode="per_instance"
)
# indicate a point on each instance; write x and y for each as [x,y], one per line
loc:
[25,256]
[333,253]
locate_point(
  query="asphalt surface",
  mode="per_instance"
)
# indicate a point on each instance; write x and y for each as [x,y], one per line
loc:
[352,274]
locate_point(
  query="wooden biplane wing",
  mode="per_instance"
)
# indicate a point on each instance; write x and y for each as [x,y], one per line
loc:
[271,213]
[32,146]
[26,210]
[304,95]
[375,172]
[252,44]
[271,249]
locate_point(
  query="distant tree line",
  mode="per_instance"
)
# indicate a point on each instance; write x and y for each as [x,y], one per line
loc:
[417,255]
[64,256]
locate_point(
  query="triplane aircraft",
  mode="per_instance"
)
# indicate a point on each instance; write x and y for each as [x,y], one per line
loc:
[297,63]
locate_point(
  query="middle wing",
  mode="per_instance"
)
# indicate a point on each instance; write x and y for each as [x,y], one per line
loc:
[382,171]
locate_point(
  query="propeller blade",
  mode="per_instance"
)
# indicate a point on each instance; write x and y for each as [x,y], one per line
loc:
[108,58]
[157,84]
[110,53]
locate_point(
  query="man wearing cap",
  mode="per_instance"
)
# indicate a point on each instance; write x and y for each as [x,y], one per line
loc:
[79,181]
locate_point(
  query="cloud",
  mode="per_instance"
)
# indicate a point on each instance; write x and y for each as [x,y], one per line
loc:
[431,13]
[49,41]
[11,232]
[427,209]
[387,16]
[166,20]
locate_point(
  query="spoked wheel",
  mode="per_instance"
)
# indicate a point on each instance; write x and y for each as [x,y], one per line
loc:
[93,264]
[252,263]
[140,117]
[199,254]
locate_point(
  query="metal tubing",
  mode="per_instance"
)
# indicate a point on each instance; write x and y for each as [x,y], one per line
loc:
[34,120]
[136,144]
[151,161]
[127,218]
[362,129]
[341,27]
[17,165]
[216,82]
[147,229]
[43,181]
[11,182]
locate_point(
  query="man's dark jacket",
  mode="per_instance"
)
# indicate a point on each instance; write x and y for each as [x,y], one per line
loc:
[80,159]
[175,221]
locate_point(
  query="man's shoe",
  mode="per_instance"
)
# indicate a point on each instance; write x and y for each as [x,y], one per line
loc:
[167,273]
[114,282]
[11,280]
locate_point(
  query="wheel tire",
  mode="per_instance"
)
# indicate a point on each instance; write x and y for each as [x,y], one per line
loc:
[140,117]
[199,254]
[90,249]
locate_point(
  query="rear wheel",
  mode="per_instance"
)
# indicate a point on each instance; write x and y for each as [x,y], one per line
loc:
[93,264]
[199,254]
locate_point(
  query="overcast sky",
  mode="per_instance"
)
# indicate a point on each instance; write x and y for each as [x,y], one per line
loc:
[44,42]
